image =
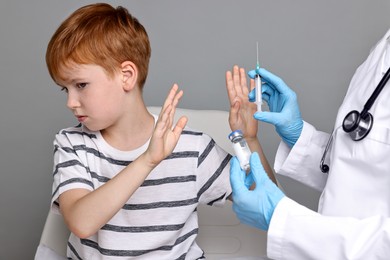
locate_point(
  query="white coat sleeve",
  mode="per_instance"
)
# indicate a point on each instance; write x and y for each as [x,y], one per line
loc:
[297,232]
[302,162]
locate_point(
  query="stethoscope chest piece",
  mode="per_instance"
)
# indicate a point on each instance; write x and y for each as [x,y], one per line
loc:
[356,125]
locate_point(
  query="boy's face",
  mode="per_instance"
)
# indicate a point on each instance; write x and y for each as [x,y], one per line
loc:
[95,98]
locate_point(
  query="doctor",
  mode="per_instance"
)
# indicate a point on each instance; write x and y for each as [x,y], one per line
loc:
[351,167]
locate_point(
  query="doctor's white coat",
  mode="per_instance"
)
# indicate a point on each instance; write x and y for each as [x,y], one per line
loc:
[353,219]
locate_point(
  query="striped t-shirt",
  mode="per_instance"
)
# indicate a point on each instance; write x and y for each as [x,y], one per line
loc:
[160,220]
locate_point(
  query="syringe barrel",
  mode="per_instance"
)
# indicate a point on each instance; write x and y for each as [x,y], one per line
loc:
[259,100]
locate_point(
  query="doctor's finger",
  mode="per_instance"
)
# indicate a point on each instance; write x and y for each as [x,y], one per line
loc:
[257,169]
[266,98]
[268,117]
[252,95]
[237,176]
[249,180]
[266,89]
[252,74]
[274,81]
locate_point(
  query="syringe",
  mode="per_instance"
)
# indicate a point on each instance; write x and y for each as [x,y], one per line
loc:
[259,100]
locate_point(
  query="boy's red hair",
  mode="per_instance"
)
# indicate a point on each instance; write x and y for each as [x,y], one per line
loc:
[99,34]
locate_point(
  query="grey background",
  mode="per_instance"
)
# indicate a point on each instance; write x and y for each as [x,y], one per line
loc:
[315,46]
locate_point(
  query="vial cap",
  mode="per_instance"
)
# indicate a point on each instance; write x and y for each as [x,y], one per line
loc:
[235,134]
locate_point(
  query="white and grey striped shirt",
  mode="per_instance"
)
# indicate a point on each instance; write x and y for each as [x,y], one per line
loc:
[160,220]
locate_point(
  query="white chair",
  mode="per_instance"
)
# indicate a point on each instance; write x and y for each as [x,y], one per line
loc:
[221,235]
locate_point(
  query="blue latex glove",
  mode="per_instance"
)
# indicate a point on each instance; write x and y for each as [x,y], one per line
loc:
[249,180]
[254,207]
[283,106]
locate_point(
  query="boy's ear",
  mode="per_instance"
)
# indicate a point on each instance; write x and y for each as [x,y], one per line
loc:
[129,74]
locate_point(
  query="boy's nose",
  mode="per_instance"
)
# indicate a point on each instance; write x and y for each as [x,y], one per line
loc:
[72,101]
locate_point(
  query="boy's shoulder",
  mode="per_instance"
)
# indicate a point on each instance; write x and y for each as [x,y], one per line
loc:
[74,133]
[78,130]
[191,138]
[188,130]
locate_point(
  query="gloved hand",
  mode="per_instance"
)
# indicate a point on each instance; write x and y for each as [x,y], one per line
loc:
[283,105]
[249,180]
[254,207]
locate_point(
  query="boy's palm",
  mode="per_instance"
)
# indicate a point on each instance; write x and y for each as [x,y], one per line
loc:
[165,138]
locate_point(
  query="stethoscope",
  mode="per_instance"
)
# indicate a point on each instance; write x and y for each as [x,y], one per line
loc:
[356,124]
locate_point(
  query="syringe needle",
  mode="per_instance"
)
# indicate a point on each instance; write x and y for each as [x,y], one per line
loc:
[257,55]
[258,82]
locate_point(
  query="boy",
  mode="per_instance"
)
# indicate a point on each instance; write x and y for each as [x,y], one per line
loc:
[122,192]
[126,184]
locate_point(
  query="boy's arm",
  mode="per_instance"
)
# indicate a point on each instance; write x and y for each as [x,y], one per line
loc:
[242,111]
[85,212]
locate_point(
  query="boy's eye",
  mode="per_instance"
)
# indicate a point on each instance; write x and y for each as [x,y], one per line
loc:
[81,85]
[64,89]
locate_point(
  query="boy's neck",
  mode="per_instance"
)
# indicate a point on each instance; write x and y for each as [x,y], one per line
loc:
[133,132]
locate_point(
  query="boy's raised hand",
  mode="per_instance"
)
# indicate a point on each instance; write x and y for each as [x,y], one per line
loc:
[242,112]
[241,109]
[165,138]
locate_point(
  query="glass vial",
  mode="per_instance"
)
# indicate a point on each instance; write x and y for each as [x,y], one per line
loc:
[241,149]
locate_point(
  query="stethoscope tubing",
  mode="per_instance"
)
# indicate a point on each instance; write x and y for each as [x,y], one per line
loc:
[376,93]
[358,125]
